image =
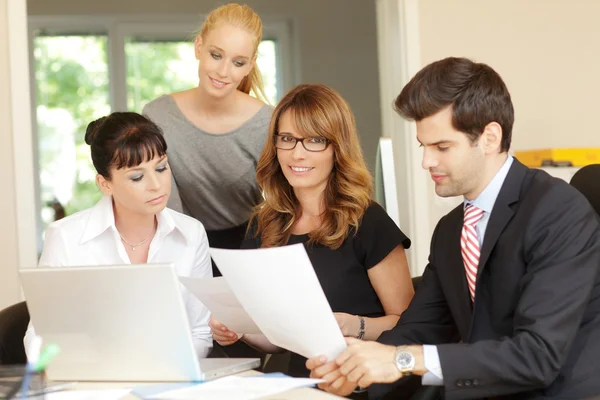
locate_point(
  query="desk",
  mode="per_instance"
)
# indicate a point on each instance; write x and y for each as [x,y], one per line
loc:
[295,394]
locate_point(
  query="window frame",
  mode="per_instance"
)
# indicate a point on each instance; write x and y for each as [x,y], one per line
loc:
[117,29]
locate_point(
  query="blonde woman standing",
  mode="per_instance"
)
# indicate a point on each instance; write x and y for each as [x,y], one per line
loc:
[216,131]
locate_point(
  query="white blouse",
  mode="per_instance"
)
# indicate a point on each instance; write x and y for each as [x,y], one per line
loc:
[90,237]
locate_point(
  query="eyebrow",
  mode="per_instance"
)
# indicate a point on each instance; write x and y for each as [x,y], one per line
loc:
[141,169]
[436,143]
[221,50]
[292,135]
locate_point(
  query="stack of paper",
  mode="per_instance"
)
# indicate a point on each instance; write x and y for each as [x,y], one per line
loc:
[216,295]
[109,394]
[237,388]
[274,290]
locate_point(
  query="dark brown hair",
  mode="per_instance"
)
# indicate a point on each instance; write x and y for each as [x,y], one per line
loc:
[123,140]
[475,92]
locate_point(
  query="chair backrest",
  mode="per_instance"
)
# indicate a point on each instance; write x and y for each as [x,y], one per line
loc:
[587,181]
[13,325]
[416,281]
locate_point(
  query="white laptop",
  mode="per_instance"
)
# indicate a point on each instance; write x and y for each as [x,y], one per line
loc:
[118,323]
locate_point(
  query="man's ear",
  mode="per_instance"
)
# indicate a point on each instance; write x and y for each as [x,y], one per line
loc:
[104,185]
[491,138]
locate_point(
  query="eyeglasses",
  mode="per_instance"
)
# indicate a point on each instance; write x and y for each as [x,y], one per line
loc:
[314,144]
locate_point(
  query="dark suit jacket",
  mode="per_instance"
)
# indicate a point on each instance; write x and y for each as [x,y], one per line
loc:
[534,329]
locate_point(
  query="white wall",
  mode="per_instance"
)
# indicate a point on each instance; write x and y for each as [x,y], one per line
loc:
[335,43]
[546,51]
[399,60]
[17,230]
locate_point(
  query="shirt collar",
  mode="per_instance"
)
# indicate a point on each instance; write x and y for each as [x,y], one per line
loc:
[486,199]
[102,217]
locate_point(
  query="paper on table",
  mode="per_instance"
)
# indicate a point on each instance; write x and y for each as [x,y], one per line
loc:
[280,291]
[110,394]
[238,388]
[216,295]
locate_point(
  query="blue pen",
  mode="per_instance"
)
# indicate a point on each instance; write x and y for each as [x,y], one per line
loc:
[39,365]
[33,354]
[29,370]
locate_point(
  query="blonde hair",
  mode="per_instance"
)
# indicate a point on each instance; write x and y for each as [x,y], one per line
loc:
[317,111]
[245,18]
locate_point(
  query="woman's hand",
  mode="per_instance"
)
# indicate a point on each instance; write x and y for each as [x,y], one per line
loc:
[221,334]
[349,324]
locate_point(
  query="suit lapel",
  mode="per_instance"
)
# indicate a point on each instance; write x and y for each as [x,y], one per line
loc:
[502,211]
[501,214]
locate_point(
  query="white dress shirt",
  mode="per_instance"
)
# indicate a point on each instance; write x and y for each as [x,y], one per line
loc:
[90,237]
[485,201]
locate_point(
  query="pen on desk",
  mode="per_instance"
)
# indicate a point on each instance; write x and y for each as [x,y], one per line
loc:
[42,362]
[47,355]
[33,353]
[29,369]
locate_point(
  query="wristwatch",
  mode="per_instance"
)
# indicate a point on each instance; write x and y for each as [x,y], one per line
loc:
[405,361]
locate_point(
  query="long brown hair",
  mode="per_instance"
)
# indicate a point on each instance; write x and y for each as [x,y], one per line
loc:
[318,111]
[245,18]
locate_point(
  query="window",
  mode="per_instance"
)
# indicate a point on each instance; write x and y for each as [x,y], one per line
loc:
[67,69]
[84,68]
[148,78]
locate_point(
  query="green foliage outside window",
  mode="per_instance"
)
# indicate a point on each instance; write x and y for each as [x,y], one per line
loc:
[72,89]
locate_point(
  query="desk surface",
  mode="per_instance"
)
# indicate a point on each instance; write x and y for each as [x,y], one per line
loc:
[295,394]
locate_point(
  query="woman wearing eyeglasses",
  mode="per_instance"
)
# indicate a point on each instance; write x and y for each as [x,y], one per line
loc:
[317,191]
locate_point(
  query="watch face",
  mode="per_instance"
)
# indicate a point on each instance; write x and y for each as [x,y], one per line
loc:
[405,362]
[404,359]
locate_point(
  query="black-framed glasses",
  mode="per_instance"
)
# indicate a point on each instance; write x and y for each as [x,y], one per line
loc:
[287,142]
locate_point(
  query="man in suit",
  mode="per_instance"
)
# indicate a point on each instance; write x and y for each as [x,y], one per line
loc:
[509,304]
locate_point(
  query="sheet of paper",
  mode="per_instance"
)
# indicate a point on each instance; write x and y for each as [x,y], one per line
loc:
[238,388]
[216,295]
[112,394]
[280,291]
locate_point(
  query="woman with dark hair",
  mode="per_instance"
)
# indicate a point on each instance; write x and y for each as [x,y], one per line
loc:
[317,191]
[131,224]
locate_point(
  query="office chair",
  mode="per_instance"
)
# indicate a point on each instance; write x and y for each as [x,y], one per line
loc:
[587,181]
[13,324]
[416,281]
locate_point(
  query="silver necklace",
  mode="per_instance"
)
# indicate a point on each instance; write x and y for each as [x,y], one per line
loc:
[133,246]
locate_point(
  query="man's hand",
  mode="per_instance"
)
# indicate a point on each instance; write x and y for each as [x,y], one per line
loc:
[368,362]
[335,382]
[362,364]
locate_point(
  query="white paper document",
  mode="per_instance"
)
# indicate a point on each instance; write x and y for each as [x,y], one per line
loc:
[216,295]
[109,394]
[279,289]
[237,388]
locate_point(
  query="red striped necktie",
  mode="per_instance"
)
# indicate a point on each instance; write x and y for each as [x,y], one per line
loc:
[469,245]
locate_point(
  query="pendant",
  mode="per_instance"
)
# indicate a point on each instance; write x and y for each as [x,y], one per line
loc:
[133,248]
